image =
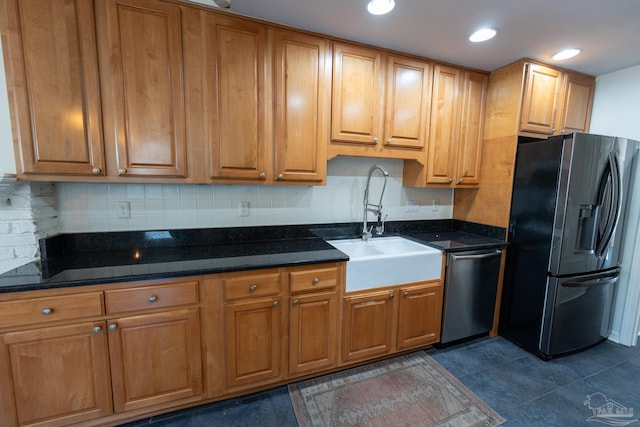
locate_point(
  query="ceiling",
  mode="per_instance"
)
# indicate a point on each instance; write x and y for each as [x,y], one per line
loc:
[608,31]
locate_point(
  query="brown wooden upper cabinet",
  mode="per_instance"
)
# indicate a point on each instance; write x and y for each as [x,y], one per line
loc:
[143,84]
[555,101]
[455,138]
[51,65]
[380,103]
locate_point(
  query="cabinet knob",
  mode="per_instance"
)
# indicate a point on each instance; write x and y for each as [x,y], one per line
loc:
[405,294]
[263,175]
[316,280]
[375,139]
[275,303]
[47,311]
[113,327]
[392,295]
[97,329]
[460,181]
[122,171]
[389,141]
[280,176]
[553,130]
[296,302]
[96,171]
[253,288]
[153,298]
[450,180]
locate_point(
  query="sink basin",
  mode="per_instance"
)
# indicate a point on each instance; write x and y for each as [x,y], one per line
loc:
[387,261]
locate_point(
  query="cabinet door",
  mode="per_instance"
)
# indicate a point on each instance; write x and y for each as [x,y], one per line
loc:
[155,358]
[313,332]
[144,88]
[540,99]
[253,341]
[236,105]
[357,95]
[368,325]
[471,125]
[577,103]
[419,315]
[55,376]
[443,135]
[52,77]
[302,84]
[408,101]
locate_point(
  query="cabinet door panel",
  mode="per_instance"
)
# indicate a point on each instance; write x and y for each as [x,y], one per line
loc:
[52,77]
[236,104]
[155,358]
[540,100]
[301,89]
[368,324]
[58,375]
[408,100]
[253,338]
[314,322]
[145,87]
[578,100]
[356,100]
[420,313]
[471,129]
[443,136]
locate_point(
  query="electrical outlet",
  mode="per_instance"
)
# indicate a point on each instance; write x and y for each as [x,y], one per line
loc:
[124,209]
[243,208]
[412,206]
[435,205]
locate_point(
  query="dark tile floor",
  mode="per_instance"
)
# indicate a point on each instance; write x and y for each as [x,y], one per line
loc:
[525,390]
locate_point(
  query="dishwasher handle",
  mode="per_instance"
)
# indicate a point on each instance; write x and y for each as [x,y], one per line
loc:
[477,256]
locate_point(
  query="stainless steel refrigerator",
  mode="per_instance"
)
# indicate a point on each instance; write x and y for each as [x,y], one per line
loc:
[567,218]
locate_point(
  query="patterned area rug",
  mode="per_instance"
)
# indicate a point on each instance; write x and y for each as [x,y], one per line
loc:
[407,391]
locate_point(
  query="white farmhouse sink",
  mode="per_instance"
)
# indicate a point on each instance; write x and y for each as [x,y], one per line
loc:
[387,261]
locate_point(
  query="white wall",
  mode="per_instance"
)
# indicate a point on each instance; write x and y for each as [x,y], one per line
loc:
[7,160]
[615,112]
[94,207]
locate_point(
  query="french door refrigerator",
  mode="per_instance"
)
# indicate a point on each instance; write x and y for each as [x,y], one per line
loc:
[567,219]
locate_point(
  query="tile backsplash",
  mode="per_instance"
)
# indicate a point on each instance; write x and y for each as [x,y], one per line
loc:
[95,207]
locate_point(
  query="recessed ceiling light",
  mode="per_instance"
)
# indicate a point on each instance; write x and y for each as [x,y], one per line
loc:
[380,7]
[483,34]
[566,54]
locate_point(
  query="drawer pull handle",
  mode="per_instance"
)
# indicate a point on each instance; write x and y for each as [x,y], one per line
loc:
[47,311]
[406,294]
[153,298]
[296,302]
[275,303]
[113,327]
[316,281]
[253,288]
[97,329]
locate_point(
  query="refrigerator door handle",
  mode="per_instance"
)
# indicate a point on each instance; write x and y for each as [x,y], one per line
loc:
[591,283]
[614,213]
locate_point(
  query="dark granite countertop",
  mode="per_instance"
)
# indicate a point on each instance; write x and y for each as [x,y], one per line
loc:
[98,258]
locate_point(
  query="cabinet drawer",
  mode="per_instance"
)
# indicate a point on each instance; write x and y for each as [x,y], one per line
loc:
[313,279]
[252,285]
[149,297]
[49,309]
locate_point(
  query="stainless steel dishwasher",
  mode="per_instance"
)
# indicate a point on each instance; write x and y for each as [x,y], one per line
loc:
[471,283]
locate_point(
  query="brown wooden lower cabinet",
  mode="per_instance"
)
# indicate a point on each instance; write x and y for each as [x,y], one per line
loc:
[130,350]
[313,322]
[54,376]
[394,319]
[155,358]
[368,325]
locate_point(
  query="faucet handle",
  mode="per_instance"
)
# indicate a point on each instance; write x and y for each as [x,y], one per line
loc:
[380,226]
